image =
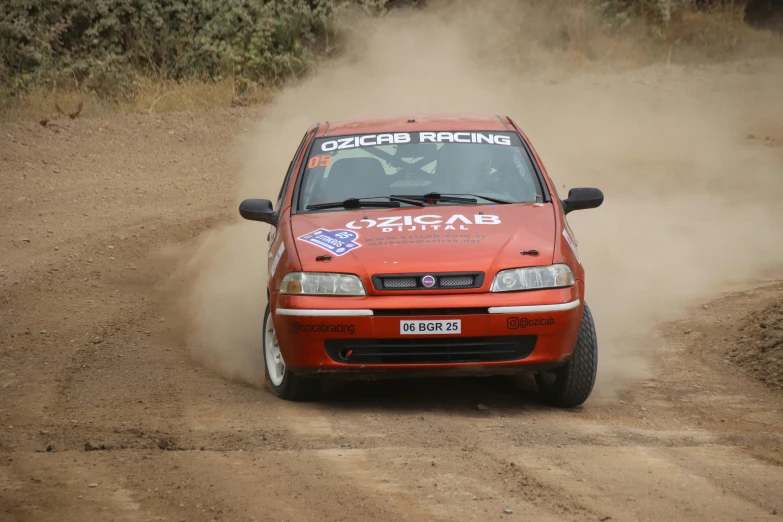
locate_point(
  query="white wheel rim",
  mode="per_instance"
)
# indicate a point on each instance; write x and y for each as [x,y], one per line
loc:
[275,364]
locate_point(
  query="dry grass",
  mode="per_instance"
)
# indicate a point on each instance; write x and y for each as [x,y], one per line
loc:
[540,37]
[151,96]
[718,33]
[571,32]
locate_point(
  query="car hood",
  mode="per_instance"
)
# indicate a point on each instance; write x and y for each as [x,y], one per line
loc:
[443,238]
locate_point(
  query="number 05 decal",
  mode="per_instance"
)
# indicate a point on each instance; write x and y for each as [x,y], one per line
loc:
[319,161]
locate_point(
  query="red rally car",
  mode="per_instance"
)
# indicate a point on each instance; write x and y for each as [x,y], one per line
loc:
[421,245]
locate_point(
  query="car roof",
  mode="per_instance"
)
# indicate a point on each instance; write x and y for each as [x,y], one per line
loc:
[417,122]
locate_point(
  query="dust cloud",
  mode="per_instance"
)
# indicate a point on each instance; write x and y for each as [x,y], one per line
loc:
[691,204]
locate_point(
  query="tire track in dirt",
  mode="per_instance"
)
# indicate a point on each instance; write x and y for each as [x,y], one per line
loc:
[697,442]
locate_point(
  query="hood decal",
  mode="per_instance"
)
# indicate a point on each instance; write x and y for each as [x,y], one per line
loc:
[432,222]
[466,238]
[338,242]
[572,244]
[423,238]
[276,260]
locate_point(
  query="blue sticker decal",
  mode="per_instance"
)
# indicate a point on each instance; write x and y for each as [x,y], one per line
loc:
[338,242]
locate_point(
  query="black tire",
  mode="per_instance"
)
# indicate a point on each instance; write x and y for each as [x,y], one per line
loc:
[571,384]
[293,387]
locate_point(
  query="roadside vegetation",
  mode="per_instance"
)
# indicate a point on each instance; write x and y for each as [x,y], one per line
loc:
[93,57]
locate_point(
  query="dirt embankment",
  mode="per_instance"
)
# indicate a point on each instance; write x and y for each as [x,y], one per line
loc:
[758,348]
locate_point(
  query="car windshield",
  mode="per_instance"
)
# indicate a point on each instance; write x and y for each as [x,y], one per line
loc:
[476,165]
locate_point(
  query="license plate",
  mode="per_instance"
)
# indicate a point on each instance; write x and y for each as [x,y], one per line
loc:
[431,327]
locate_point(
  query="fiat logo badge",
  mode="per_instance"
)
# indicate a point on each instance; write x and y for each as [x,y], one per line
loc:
[428,281]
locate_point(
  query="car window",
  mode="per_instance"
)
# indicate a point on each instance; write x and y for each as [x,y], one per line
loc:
[493,164]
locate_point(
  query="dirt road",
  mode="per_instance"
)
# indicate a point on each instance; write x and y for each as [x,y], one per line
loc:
[105,416]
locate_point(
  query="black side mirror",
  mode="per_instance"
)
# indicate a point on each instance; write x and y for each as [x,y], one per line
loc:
[258,210]
[582,198]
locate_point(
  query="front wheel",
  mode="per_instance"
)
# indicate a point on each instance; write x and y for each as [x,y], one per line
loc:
[284,384]
[571,384]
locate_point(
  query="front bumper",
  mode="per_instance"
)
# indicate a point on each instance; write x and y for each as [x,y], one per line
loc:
[533,329]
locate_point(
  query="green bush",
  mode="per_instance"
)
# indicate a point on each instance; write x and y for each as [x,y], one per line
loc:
[102,45]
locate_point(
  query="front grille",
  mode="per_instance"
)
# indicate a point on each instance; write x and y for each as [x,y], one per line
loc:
[432,351]
[401,282]
[428,281]
[456,281]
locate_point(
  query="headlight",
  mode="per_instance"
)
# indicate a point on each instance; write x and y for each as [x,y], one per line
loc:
[535,277]
[313,283]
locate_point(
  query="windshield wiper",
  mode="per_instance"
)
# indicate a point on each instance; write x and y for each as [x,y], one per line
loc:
[493,200]
[351,203]
[457,198]
[434,196]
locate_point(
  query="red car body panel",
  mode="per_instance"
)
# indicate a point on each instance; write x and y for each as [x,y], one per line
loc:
[483,238]
[415,245]
[555,341]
